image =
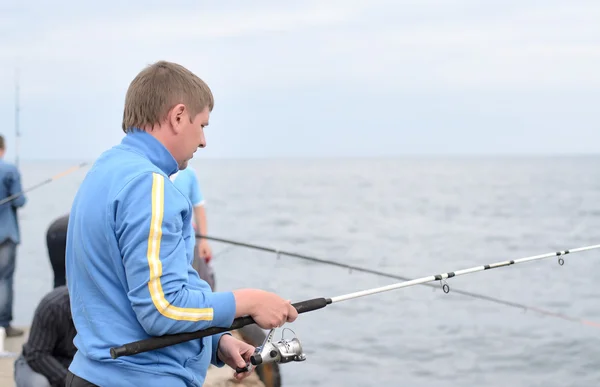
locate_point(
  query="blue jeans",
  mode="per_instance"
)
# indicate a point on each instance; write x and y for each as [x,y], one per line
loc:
[8,254]
[26,377]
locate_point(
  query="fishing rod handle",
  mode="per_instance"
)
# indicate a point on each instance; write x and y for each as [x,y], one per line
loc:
[158,342]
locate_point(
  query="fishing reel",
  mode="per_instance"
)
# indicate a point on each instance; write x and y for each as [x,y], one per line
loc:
[283,351]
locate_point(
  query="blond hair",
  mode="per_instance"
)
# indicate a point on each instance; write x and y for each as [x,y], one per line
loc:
[159,87]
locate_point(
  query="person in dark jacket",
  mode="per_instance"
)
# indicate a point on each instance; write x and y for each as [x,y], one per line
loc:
[49,350]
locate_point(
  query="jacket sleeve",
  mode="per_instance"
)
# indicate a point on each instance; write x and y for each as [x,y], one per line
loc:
[13,182]
[148,224]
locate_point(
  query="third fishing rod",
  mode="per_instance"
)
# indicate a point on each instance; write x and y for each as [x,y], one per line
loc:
[42,183]
[158,342]
[398,277]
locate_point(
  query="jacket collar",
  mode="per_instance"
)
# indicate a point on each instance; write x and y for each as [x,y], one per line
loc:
[149,147]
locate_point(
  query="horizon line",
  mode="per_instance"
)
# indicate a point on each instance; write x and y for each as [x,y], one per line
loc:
[351,157]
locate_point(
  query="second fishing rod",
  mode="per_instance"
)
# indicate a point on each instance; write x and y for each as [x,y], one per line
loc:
[352,268]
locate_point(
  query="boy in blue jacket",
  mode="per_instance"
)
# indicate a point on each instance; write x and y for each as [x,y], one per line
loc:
[130,248]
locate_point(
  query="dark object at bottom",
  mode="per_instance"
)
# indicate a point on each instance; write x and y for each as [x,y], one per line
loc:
[267,372]
[73,380]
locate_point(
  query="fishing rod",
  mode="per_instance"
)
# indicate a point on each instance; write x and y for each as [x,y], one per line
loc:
[17,112]
[351,268]
[158,342]
[49,180]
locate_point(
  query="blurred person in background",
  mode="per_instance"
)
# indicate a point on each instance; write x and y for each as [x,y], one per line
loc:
[187,182]
[10,237]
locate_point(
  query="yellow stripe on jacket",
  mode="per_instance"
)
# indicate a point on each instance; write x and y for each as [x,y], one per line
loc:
[155,265]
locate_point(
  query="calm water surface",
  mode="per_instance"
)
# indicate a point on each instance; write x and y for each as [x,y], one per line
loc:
[412,217]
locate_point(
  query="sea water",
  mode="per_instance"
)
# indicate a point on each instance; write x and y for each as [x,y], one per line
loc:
[412,216]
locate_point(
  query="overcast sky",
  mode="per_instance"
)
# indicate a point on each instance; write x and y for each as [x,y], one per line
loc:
[313,78]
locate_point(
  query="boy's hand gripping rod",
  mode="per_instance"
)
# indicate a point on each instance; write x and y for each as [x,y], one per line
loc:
[158,342]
